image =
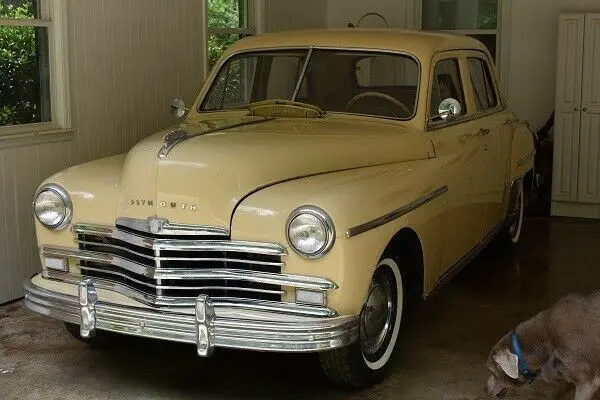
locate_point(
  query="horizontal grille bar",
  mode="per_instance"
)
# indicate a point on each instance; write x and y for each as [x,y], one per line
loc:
[163,227]
[199,288]
[287,309]
[298,281]
[271,249]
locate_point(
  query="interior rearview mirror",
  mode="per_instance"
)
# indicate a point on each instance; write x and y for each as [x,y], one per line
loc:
[178,108]
[449,109]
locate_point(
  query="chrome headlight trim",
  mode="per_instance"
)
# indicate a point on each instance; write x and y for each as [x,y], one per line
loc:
[66,199]
[324,218]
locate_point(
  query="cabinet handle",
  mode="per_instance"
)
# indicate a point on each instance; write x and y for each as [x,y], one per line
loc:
[483,132]
[575,109]
[584,109]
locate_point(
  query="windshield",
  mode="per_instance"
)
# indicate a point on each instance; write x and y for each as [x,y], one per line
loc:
[356,82]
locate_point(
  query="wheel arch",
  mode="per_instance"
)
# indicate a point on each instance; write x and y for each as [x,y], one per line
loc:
[406,246]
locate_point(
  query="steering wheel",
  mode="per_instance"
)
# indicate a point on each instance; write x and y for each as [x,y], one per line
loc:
[379,95]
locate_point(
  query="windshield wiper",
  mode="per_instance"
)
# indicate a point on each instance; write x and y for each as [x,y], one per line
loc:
[302,73]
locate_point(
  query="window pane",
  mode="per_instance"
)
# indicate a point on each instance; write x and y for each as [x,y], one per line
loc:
[446,84]
[26,9]
[227,14]
[218,43]
[337,81]
[24,83]
[233,86]
[460,14]
[484,93]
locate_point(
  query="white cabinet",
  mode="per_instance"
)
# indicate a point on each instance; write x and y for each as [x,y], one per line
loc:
[576,174]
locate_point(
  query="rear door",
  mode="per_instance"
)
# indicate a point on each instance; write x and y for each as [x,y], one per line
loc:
[487,113]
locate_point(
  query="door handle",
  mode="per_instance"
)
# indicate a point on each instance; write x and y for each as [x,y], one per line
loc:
[483,132]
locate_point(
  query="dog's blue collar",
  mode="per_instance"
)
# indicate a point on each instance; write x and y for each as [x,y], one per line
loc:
[523,368]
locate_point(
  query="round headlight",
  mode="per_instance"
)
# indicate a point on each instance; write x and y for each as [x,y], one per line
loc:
[53,207]
[310,232]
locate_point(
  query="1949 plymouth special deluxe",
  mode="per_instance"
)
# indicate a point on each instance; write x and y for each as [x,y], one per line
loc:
[320,179]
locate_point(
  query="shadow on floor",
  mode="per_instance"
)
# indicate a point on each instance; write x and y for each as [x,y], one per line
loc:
[441,355]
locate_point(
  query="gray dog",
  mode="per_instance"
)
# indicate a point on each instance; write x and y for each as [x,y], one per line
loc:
[561,343]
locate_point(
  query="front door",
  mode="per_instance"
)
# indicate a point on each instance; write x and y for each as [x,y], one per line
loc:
[458,148]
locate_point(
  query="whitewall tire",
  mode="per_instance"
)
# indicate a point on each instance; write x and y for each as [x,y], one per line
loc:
[364,363]
[514,214]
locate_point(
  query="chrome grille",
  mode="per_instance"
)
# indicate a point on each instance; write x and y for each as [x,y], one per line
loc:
[173,264]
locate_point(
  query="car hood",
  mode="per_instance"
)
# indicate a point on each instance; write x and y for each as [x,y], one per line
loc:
[204,177]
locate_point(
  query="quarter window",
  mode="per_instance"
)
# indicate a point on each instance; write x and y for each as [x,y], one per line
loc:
[446,84]
[481,80]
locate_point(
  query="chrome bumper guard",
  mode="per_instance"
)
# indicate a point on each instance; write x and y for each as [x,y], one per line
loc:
[210,324]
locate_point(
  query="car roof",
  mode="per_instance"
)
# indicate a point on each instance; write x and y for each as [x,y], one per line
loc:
[420,44]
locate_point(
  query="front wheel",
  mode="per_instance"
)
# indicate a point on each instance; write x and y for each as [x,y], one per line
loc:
[98,340]
[364,363]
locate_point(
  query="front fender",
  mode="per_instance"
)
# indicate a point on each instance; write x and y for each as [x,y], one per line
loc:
[351,198]
[93,188]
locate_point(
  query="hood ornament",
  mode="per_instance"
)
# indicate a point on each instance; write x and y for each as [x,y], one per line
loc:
[179,135]
[156,224]
[171,139]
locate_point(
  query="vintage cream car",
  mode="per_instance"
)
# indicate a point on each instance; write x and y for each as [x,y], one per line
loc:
[320,179]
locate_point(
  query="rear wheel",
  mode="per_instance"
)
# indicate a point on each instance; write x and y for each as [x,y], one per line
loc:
[514,214]
[364,363]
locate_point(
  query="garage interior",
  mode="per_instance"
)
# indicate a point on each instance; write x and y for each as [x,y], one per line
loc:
[111,68]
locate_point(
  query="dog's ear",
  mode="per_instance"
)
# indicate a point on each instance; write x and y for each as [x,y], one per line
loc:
[509,363]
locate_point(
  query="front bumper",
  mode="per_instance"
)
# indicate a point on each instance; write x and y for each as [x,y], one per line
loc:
[211,323]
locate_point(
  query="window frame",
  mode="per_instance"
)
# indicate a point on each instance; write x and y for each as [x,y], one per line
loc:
[434,125]
[210,81]
[471,111]
[488,77]
[500,104]
[53,17]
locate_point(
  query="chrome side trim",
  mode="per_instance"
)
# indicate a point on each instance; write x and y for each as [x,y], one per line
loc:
[298,281]
[357,230]
[470,256]
[272,249]
[525,159]
[225,327]
[181,303]
[162,226]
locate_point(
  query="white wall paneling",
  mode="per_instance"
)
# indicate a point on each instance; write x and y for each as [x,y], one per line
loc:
[126,60]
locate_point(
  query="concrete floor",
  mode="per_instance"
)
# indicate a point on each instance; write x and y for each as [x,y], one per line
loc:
[442,353]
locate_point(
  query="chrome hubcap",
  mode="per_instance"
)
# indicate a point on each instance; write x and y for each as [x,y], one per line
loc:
[376,317]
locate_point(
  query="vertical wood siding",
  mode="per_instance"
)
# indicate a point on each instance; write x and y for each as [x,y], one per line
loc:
[127,60]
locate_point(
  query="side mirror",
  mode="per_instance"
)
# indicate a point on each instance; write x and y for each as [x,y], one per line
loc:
[178,108]
[449,109]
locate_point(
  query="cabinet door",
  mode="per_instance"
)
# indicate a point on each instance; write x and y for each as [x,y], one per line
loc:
[568,107]
[589,153]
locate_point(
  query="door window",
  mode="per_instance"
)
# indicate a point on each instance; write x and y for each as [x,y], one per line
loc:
[446,84]
[483,87]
